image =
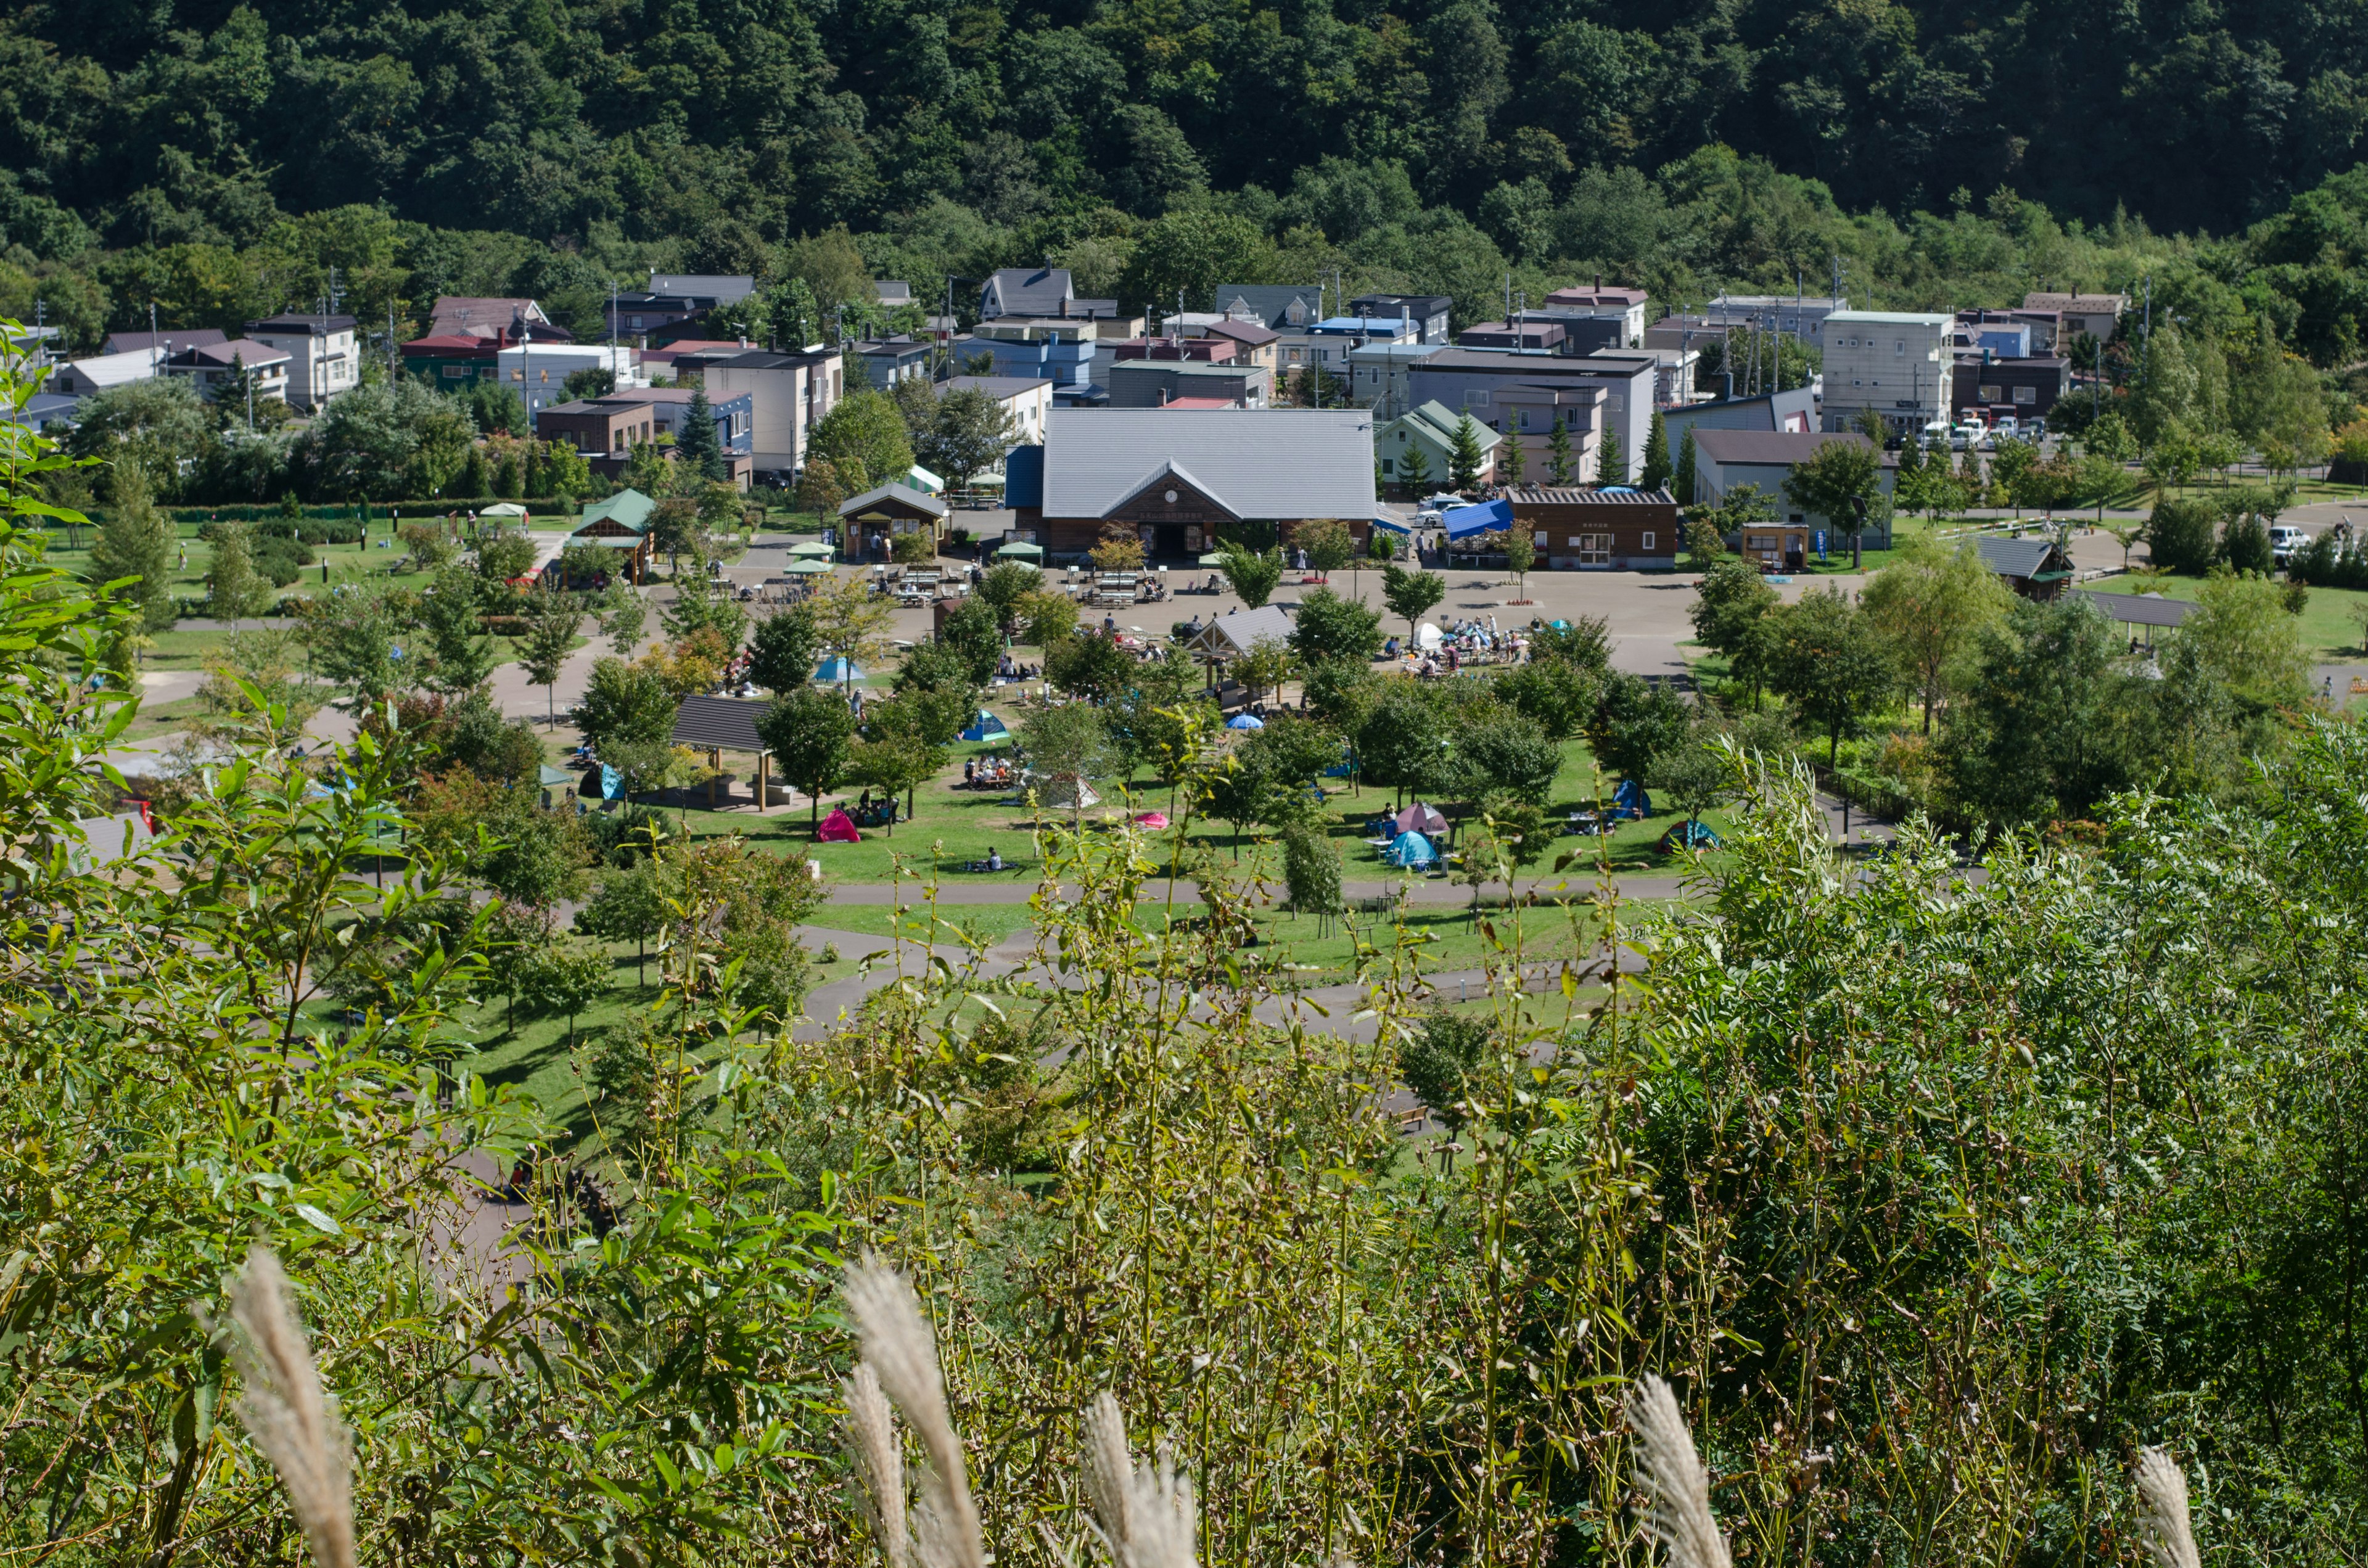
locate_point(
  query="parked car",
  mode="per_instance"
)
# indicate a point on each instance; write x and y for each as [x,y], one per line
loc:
[1966,435]
[2285,540]
[2007,427]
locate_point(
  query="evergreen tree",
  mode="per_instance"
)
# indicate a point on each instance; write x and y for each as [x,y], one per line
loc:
[1558,469]
[474,481]
[135,540]
[1612,463]
[1463,456]
[234,589]
[1513,464]
[1682,481]
[697,447]
[1656,472]
[1414,469]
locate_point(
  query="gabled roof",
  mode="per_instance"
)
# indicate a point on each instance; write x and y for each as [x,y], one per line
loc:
[237,351]
[1026,291]
[1242,630]
[891,291]
[2020,557]
[1437,421]
[1250,333]
[482,315]
[2139,609]
[995,386]
[1269,303]
[903,495]
[1779,447]
[450,343]
[1174,472]
[628,507]
[292,322]
[1276,464]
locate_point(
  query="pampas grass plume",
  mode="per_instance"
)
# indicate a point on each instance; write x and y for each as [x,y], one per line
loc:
[1676,1488]
[1144,1514]
[903,1356]
[870,1431]
[2162,1511]
[292,1420]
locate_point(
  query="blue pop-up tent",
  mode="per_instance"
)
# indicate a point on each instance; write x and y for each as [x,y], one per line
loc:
[1246,722]
[987,727]
[836,669]
[1410,850]
[1631,800]
[1462,522]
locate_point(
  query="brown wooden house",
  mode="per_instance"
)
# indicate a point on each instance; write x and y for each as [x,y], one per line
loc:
[1601,530]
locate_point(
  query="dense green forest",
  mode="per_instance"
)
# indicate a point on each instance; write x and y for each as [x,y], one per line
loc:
[219,160]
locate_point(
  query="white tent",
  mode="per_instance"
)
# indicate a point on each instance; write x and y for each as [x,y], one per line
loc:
[1427,636]
[1065,790]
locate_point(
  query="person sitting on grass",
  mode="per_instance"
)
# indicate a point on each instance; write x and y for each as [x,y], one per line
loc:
[994,858]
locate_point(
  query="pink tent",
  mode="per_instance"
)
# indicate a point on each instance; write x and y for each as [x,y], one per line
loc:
[838,828]
[1152,819]
[1419,818]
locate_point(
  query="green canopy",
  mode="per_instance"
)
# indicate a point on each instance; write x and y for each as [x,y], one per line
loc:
[806,568]
[1021,547]
[811,547]
[1213,560]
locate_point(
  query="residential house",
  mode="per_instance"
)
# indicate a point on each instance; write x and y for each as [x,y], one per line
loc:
[674,305]
[1060,349]
[1207,350]
[1430,430]
[1287,308]
[604,430]
[1618,530]
[659,364]
[470,316]
[1253,344]
[1428,312]
[734,414]
[1596,303]
[2087,316]
[1524,393]
[1148,384]
[788,393]
[892,293]
[170,339]
[538,371]
[1178,478]
[2028,387]
[1673,381]
[81,378]
[1542,335]
[889,360]
[1038,292]
[211,368]
[1793,410]
[323,358]
[1377,376]
[1992,333]
[2035,567]
[872,520]
[452,361]
[1026,399]
[1895,362]
[1800,316]
[1726,459]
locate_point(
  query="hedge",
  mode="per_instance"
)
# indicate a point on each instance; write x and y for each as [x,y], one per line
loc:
[376,511]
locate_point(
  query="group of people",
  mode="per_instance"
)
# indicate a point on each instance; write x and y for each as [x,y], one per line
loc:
[992,772]
[1009,669]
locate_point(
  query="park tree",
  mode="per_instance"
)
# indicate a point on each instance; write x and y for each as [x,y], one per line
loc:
[785,651]
[2183,534]
[864,427]
[2044,724]
[1636,720]
[550,638]
[1004,585]
[631,906]
[1692,774]
[1828,660]
[1520,554]
[1839,482]
[850,622]
[968,432]
[1329,544]
[1091,666]
[891,757]
[1447,1060]
[1930,605]
[1330,627]
[1120,548]
[563,980]
[1311,871]
[1413,469]
[624,704]
[1402,743]
[1411,594]
[1682,481]
[1253,573]
[233,590]
[1071,744]
[1265,665]
[461,655]
[1465,457]
[134,541]
[973,634]
[1506,752]
[809,732]
[1556,695]
[824,483]
[2161,402]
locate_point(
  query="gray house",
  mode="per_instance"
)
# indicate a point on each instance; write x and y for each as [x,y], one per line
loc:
[1282,306]
[1725,460]
[1467,381]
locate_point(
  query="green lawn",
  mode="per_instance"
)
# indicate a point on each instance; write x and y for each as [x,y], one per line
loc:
[2330,622]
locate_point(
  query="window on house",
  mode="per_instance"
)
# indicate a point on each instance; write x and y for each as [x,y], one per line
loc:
[1899,345]
[1389,465]
[2026,394]
[1648,538]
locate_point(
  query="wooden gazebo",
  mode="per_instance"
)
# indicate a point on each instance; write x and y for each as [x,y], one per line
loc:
[873,518]
[718,725]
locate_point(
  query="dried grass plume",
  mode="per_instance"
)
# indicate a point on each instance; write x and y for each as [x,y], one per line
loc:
[1670,1475]
[898,1347]
[870,1433]
[2162,1511]
[293,1421]
[1145,1513]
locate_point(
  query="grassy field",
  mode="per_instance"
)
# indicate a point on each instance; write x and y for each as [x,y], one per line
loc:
[2331,626]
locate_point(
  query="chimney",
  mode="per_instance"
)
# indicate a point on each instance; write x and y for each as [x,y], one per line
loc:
[1726,386]
[1598,283]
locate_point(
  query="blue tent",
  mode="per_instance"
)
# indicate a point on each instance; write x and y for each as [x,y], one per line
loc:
[612,783]
[1631,800]
[836,669]
[1246,722]
[1344,767]
[1689,836]
[1487,518]
[1410,850]
[986,728]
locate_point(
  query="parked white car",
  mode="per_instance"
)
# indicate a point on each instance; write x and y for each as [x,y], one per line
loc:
[2284,541]
[1965,436]
[2007,428]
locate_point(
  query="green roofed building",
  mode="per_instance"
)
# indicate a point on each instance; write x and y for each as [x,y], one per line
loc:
[1431,428]
[622,522]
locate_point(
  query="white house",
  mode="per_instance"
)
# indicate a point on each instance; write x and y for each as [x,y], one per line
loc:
[322,358]
[539,372]
[1028,399]
[789,394]
[80,378]
[1898,363]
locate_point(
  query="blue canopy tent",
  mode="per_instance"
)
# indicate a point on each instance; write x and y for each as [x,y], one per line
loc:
[836,669]
[987,727]
[1246,722]
[1410,850]
[1488,516]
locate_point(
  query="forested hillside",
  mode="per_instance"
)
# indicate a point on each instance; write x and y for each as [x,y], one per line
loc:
[158,151]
